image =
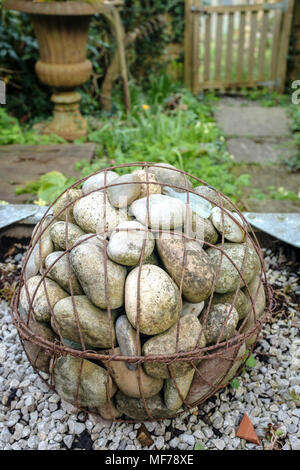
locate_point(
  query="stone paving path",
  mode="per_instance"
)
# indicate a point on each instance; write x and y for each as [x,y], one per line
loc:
[258,137]
[20,164]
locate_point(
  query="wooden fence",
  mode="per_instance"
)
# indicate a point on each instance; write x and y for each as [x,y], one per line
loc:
[236,45]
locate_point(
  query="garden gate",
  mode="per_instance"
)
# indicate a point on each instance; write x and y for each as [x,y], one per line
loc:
[232,44]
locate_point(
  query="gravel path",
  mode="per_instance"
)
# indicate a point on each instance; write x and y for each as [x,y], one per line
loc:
[31,417]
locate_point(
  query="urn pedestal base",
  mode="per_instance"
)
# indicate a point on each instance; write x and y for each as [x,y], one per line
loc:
[67,120]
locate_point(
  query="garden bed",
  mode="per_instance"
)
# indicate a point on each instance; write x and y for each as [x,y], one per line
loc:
[32,417]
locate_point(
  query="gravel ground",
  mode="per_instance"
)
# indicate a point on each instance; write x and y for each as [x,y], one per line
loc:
[32,417]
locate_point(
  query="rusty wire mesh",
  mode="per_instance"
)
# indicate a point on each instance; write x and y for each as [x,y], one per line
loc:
[224,357]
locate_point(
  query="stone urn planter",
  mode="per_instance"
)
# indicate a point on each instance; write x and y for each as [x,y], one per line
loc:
[61,29]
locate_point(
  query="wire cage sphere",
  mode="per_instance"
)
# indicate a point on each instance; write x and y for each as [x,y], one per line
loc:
[142,293]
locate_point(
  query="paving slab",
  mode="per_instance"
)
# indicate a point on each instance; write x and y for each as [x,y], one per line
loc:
[20,164]
[249,150]
[252,121]
[285,227]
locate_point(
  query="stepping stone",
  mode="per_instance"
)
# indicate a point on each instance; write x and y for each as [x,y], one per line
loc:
[20,164]
[248,150]
[253,121]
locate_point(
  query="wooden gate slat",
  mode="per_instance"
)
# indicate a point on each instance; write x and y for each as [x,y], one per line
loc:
[262,46]
[241,47]
[275,45]
[188,44]
[207,48]
[252,45]
[229,47]
[196,50]
[219,41]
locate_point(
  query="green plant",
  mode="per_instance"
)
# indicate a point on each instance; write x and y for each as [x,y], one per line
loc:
[48,187]
[235,383]
[12,133]
[200,446]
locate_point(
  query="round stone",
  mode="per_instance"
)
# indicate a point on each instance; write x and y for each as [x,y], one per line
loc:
[99,280]
[173,400]
[38,356]
[258,295]
[154,187]
[98,181]
[158,297]
[94,213]
[242,303]
[124,194]
[164,212]
[129,381]
[125,246]
[220,323]
[214,371]
[42,246]
[61,273]
[213,197]
[59,234]
[135,408]
[92,386]
[228,276]
[169,174]
[190,337]
[203,230]
[232,231]
[192,308]
[177,256]
[127,340]
[37,295]
[94,323]
[67,199]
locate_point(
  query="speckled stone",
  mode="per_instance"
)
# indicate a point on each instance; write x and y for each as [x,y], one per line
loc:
[127,340]
[37,355]
[60,273]
[198,274]
[203,229]
[125,247]
[164,212]
[128,380]
[192,308]
[58,234]
[93,381]
[232,231]
[190,338]
[89,213]
[213,197]
[219,324]
[94,323]
[242,303]
[123,195]
[228,276]
[96,182]
[159,301]
[87,261]
[154,188]
[214,371]
[257,292]
[134,407]
[70,196]
[42,246]
[41,308]
[166,173]
[172,399]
